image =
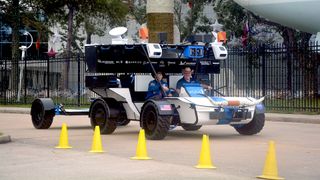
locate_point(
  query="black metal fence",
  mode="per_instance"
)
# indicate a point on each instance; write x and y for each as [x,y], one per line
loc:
[44,78]
[288,76]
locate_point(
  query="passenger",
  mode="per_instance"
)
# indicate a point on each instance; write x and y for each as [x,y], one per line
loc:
[155,90]
[187,78]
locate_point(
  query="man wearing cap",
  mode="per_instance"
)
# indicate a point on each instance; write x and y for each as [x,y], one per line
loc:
[187,78]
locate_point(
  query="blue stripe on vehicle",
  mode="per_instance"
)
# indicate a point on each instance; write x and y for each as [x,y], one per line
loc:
[218,99]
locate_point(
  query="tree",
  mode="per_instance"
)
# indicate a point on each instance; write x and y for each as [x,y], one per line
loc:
[138,10]
[192,17]
[92,15]
[107,13]
[296,42]
[18,14]
[194,21]
[11,12]
[232,16]
[88,14]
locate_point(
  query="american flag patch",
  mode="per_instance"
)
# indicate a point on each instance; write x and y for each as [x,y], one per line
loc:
[165,107]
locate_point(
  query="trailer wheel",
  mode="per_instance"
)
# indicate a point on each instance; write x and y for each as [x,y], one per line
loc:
[99,116]
[42,118]
[155,126]
[191,127]
[253,127]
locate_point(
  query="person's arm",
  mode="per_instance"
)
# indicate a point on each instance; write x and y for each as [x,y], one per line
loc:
[153,86]
[178,87]
[205,86]
[165,86]
[166,89]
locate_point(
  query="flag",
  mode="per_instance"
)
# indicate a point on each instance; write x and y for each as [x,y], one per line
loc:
[190,4]
[245,34]
[38,43]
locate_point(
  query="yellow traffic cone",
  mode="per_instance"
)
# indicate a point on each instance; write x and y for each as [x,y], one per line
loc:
[96,142]
[205,157]
[63,142]
[270,170]
[141,153]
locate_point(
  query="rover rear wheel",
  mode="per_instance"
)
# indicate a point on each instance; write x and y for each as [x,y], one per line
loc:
[99,116]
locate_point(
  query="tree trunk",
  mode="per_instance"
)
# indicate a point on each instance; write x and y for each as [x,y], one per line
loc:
[69,43]
[290,43]
[88,41]
[15,46]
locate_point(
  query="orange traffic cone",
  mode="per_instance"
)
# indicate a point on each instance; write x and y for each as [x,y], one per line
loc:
[96,142]
[141,153]
[63,142]
[270,170]
[205,157]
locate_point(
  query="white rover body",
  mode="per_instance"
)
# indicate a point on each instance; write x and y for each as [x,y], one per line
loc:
[133,65]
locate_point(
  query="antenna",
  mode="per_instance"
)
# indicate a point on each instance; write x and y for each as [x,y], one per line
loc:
[117,35]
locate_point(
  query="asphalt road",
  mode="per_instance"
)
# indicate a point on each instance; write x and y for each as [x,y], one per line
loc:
[31,154]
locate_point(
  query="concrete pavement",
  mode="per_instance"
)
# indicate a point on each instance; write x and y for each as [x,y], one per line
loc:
[297,118]
[31,154]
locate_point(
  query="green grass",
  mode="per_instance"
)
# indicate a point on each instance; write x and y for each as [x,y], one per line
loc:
[66,102]
[292,111]
[29,106]
[16,105]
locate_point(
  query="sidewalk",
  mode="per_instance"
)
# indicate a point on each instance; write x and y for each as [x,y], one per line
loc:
[299,118]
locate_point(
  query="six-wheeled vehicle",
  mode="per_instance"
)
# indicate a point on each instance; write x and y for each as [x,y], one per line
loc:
[120,73]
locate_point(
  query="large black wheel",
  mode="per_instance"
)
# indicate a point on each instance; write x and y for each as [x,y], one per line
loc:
[253,127]
[42,118]
[191,127]
[100,116]
[156,127]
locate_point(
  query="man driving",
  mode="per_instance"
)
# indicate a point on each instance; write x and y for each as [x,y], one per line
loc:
[187,78]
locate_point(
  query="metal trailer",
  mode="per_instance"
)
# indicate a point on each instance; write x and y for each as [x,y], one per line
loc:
[129,68]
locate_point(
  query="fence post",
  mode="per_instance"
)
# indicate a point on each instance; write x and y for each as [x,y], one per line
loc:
[78,58]
[48,77]
[25,81]
[289,57]
[263,53]
[7,87]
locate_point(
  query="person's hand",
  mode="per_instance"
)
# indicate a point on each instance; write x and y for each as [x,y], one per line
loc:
[208,87]
[165,88]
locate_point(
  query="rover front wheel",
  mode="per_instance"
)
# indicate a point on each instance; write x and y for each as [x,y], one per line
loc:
[156,126]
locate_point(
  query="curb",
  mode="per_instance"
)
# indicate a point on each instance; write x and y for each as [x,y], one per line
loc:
[5,139]
[15,110]
[295,118]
